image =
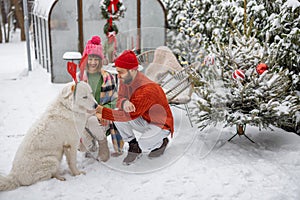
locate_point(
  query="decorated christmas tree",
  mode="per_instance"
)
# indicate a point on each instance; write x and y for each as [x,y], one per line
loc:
[232,38]
[195,24]
[240,89]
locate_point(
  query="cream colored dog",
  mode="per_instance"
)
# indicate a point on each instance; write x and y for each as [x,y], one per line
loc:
[55,134]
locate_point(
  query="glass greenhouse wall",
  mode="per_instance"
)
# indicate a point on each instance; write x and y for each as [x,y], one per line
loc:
[60,26]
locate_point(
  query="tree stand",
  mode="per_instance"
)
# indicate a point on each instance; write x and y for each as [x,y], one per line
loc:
[240,130]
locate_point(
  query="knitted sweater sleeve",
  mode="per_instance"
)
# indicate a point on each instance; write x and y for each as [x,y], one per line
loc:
[143,99]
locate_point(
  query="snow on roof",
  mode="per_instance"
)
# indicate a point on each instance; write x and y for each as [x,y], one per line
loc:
[42,8]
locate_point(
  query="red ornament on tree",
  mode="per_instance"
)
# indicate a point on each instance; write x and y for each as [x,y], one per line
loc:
[238,74]
[261,68]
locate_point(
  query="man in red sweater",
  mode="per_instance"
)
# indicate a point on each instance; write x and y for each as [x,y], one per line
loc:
[142,107]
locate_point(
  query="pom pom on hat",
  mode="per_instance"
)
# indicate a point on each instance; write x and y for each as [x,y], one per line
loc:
[94,47]
[96,40]
[127,60]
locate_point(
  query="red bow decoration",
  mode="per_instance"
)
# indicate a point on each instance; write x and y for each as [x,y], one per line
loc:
[110,21]
[72,68]
[113,6]
[112,9]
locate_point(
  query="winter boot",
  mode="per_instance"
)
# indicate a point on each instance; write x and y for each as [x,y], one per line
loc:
[134,152]
[103,153]
[159,151]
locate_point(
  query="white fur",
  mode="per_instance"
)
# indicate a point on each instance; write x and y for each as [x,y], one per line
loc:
[55,134]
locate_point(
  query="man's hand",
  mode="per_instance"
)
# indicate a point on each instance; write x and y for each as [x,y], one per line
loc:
[102,121]
[128,106]
[99,109]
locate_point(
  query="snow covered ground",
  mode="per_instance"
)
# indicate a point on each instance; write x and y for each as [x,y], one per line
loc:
[196,165]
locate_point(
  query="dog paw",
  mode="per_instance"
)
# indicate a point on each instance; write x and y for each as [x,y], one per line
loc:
[58,177]
[79,173]
[99,159]
[83,172]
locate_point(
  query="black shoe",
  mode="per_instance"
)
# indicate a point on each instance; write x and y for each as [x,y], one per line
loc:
[159,151]
[134,152]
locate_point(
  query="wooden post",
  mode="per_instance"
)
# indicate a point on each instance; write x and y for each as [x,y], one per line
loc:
[138,50]
[80,26]
[20,17]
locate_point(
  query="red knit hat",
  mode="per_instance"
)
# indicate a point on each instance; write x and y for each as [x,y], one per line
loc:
[94,47]
[127,60]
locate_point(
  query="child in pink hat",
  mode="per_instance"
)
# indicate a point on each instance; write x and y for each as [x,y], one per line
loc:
[94,47]
[105,92]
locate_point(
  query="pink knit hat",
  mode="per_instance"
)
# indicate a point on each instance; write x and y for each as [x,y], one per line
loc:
[94,47]
[127,60]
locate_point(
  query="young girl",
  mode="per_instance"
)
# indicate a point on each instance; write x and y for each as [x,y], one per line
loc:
[105,92]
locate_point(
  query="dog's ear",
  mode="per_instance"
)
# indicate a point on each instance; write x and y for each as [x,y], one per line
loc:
[68,90]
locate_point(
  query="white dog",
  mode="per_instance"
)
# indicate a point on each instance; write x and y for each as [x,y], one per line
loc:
[55,134]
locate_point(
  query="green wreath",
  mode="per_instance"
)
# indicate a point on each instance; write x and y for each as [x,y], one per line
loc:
[107,28]
[104,6]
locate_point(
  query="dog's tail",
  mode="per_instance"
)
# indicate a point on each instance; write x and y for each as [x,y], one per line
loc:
[8,182]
